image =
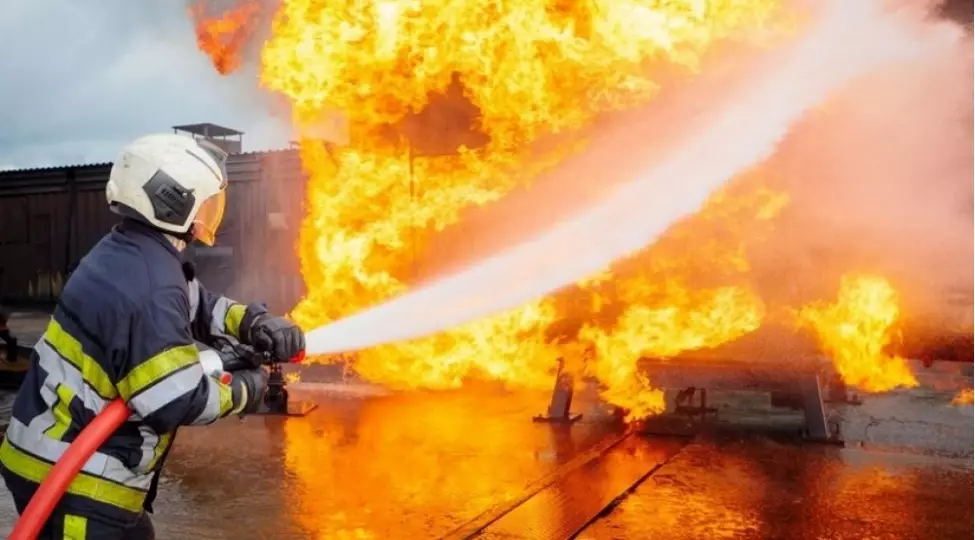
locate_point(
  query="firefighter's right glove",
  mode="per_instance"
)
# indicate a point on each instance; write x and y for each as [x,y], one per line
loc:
[277,336]
[249,387]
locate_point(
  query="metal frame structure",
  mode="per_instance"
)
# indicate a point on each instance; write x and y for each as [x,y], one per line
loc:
[800,387]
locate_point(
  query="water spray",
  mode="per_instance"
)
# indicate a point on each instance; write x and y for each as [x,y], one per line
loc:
[848,40]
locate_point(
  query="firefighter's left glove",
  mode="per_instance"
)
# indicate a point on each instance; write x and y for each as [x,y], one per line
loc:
[249,387]
[240,357]
[278,336]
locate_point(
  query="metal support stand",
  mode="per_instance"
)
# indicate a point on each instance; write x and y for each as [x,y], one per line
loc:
[838,392]
[684,403]
[812,398]
[559,410]
[798,389]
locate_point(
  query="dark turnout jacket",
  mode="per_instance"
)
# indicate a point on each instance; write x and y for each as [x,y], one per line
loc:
[125,327]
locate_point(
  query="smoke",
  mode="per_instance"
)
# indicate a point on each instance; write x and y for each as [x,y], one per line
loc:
[655,167]
[880,179]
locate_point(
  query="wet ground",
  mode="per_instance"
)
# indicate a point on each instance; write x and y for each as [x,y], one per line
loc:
[368,465]
[431,465]
[756,488]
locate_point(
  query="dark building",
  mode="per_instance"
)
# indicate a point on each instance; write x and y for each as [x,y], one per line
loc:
[50,217]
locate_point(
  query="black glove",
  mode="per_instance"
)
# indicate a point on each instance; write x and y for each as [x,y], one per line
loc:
[240,357]
[249,387]
[278,336]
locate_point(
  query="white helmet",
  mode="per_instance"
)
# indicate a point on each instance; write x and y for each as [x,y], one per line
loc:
[174,183]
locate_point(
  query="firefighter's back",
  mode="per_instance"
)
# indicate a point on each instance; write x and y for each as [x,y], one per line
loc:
[75,370]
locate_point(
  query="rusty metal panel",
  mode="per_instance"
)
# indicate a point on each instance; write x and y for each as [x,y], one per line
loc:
[91,221]
[255,249]
[285,187]
[244,167]
[66,210]
[14,246]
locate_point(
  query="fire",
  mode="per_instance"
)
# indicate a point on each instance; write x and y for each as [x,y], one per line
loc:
[492,78]
[964,397]
[222,37]
[669,309]
[442,104]
[856,329]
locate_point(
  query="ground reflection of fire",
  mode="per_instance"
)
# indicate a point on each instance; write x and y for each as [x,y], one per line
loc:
[373,202]
[377,469]
[964,397]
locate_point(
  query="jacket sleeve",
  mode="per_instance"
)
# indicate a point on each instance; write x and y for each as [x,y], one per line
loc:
[164,382]
[216,317]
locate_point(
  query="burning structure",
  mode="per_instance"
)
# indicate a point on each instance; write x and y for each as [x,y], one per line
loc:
[448,106]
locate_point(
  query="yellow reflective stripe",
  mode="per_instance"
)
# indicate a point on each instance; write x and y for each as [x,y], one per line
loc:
[62,414]
[75,527]
[233,319]
[227,398]
[84,485]
[70,349]
[161,445]
[156,368]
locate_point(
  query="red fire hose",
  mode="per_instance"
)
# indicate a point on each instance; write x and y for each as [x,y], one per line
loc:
[57,481]
[78,453]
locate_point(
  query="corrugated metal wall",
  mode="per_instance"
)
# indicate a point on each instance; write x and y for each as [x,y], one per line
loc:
[49,218]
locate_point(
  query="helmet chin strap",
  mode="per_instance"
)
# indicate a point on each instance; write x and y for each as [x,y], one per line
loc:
[178,243]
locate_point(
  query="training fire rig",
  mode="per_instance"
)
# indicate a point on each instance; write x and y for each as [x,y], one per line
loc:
[805,388]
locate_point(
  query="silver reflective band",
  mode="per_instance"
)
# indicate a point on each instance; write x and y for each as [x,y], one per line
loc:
[211,362]
[35,442]
[210,413]
[167,390]
[149,441]
[218,315]
[60,371]
[193,289]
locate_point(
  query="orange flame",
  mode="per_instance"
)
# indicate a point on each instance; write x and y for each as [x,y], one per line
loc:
[856,329]
[222,37]
[432,97]
[395,69]
[964,397]
[668,308]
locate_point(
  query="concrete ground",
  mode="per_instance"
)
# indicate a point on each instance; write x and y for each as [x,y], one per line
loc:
[423,465]
[757,488]
[370,464]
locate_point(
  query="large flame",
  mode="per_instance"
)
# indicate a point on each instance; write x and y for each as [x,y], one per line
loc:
[223,36]
[856,329]
[668,308]
[371,203]
[442,102]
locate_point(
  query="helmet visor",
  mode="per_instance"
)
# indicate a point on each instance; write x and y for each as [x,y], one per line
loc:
[208,218]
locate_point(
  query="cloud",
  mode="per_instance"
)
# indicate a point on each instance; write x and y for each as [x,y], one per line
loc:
[81,79]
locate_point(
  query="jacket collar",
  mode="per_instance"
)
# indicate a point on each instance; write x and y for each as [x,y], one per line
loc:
[132,228]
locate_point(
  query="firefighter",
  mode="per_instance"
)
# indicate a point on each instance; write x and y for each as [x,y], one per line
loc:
[125,326]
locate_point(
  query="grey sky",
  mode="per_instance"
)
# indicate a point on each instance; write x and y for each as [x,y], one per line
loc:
[79,79]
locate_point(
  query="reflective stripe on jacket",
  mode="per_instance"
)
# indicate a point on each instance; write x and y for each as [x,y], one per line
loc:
[125,326]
